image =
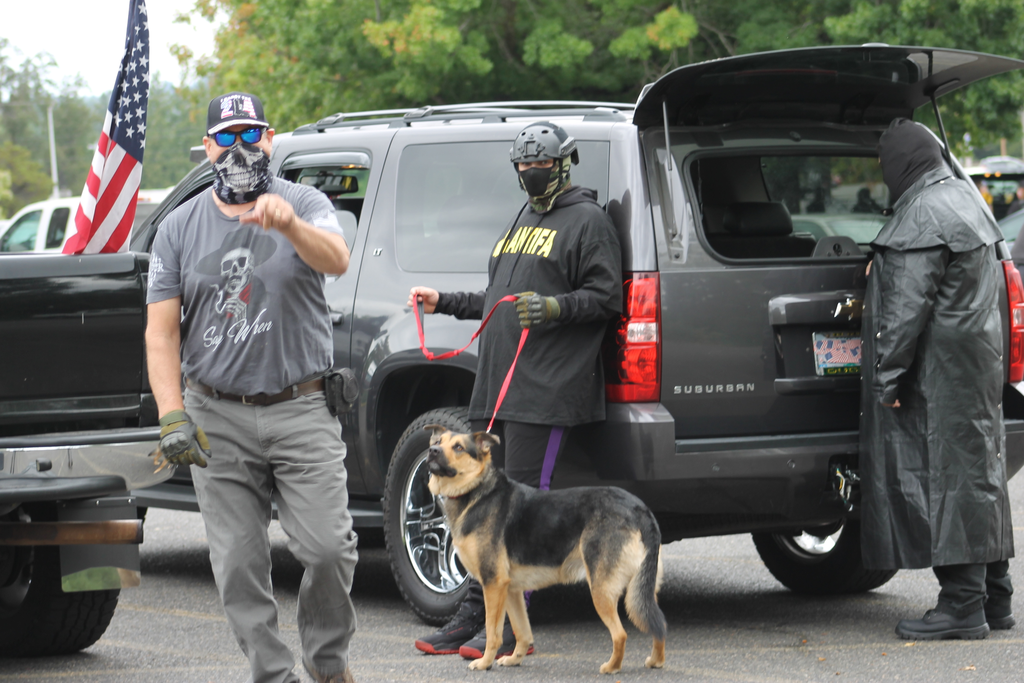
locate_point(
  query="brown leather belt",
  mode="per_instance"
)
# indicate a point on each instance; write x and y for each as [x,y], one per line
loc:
[294,391]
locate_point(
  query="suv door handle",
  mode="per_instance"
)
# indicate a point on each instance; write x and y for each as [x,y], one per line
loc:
[337,317]
[852,308]
[816,308]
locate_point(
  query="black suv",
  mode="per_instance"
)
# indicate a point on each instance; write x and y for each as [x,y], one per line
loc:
[745,192]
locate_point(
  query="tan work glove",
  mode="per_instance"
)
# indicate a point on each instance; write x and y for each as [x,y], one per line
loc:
[182,441]
[535,309]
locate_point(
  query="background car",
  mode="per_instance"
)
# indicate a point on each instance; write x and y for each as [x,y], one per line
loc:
[1011,225]
[1001,179]
[860,227]
[45,226]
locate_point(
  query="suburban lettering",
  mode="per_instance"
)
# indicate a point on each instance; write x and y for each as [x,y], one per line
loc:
[712,388]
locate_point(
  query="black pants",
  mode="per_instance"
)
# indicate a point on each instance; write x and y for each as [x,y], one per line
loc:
[528,453]
[966,587]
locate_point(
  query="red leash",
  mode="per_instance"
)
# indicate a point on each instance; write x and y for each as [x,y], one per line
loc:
[418,311]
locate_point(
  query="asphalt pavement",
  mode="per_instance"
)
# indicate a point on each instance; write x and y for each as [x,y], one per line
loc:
[729,620]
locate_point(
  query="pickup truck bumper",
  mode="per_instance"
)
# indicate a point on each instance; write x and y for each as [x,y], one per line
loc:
[731,484]
[72,491]
[80,456]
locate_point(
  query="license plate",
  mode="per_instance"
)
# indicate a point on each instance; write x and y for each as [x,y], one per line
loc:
[836,353]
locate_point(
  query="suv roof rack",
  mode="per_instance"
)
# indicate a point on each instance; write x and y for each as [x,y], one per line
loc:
[491,112]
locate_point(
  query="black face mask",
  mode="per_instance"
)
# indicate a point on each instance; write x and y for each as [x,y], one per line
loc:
[907,151]
[243,173]
[536,180]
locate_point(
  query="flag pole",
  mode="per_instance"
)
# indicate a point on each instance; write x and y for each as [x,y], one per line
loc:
[53,154]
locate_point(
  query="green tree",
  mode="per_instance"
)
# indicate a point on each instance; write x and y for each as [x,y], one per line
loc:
[987,110]
[24,98]
[311,58]
[174,125]
[76,127]
[6,196]
[305,59]
[29,182]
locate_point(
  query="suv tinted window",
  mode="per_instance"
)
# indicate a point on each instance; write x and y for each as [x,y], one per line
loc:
[455,199]
[783,206]
[344,185]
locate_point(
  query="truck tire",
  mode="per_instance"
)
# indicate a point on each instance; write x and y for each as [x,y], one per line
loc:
[423,560]
[820,562]
[37,618]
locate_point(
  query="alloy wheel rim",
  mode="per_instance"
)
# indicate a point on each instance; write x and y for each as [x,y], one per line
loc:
[427,539]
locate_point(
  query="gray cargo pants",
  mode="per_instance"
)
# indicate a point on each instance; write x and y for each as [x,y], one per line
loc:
[293,448]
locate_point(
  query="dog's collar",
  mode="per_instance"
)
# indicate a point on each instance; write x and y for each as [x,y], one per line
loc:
[456,497]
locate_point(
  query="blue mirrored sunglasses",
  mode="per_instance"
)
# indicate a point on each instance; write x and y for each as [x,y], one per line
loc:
[227,138]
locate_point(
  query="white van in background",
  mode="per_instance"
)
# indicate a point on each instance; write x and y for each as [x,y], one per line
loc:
[47,225]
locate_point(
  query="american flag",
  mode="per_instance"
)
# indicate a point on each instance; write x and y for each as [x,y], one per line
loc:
[105,214]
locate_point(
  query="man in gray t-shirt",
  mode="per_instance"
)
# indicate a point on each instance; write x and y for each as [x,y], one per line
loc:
[237,312]
[254,320]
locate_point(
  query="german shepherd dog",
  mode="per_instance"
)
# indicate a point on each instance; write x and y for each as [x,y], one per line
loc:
[513,538]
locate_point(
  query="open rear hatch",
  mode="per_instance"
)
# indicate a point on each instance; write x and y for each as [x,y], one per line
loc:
[867,84]
[786,313]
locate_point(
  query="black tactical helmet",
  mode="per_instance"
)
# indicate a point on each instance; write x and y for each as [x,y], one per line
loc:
[541,141]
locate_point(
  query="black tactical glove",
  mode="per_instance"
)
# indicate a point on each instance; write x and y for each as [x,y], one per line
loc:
[535,309]
[182,441]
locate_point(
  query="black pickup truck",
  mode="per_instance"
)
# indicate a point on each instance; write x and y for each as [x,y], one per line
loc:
[745,192]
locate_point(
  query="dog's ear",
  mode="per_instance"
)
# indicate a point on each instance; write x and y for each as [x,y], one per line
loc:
[435,429]
[484,441]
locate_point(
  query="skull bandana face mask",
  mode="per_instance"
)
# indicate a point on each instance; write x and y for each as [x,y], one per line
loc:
[243,173]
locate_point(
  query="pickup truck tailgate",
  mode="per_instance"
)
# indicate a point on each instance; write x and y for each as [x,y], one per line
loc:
[73,337]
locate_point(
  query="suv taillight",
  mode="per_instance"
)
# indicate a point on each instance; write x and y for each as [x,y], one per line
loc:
[632,347]
[1015,292]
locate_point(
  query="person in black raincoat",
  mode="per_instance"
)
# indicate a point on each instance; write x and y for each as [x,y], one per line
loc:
[932,439]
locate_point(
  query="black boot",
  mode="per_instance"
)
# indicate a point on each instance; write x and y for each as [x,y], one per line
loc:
[938,625]
[999,615]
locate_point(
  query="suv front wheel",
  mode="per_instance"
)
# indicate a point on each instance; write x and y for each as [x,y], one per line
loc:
[423,559]
[824,561]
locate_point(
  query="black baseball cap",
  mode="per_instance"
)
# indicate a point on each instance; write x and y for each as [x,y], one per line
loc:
[232,109]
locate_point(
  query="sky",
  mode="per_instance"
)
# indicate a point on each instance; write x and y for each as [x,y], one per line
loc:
[86,37]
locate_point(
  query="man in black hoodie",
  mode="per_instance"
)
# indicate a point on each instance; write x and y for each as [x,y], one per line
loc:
[932,441]
[560,257]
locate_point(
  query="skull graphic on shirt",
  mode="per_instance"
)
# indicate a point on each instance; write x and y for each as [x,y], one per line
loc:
[236,267]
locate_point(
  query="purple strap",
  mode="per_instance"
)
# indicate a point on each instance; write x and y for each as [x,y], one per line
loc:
[550,455]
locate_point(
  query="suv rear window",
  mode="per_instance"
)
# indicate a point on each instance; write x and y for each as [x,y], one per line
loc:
[455,199]
[789,206]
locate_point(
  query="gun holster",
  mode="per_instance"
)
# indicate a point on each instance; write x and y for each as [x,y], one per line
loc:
[342,390]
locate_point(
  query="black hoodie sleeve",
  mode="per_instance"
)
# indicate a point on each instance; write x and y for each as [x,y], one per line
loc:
[462,305]
[598,295]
